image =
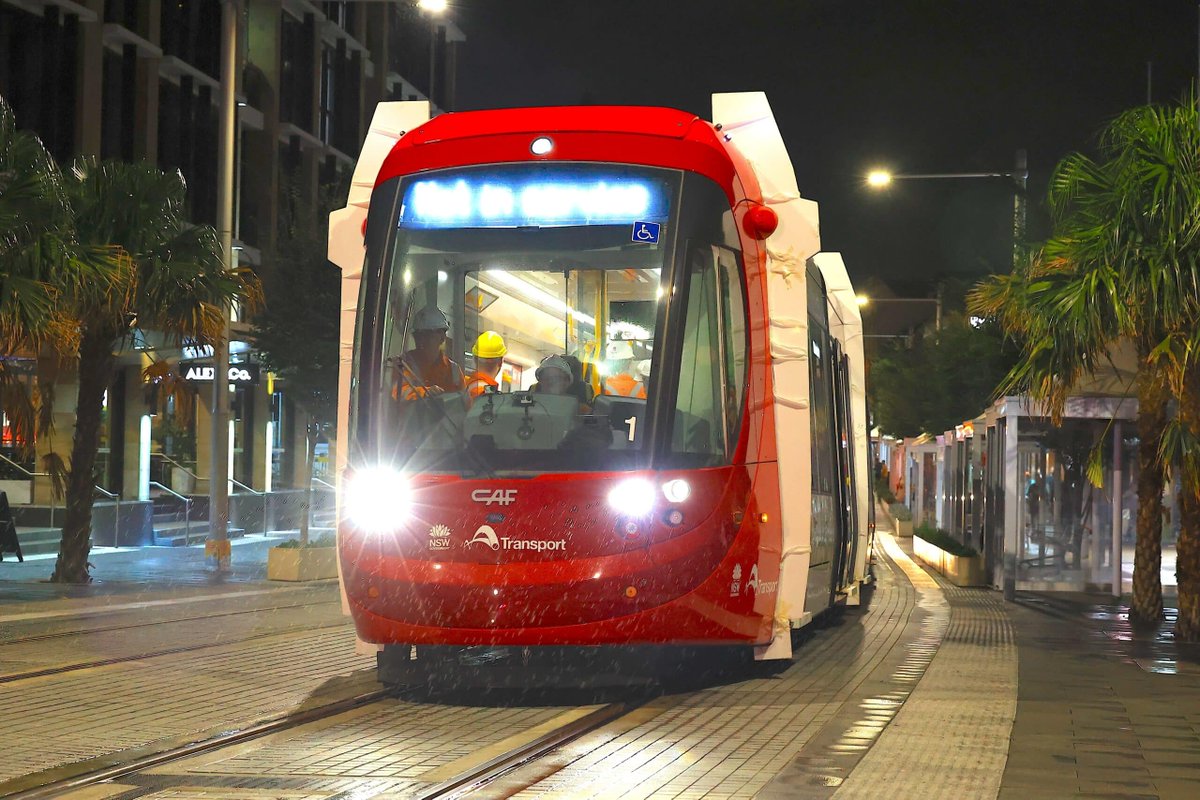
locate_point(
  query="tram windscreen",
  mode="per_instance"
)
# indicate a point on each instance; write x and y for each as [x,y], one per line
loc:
[520,319]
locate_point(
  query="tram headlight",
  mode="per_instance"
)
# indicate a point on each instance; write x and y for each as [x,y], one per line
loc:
[377,500]
[633,498]
[676,491]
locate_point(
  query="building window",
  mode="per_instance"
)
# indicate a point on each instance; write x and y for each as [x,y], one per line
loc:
[295,86]
[117,114]
[329,64]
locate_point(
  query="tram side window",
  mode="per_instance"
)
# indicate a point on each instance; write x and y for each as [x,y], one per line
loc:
[821,413]
[733,306]
[701,410]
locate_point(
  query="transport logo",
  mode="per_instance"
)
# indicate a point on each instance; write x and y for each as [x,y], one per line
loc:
[502,497]
[487,536]
[760,587]
[439,537]
[735,586]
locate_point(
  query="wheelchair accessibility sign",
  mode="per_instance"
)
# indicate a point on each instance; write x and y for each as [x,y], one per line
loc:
[646,232]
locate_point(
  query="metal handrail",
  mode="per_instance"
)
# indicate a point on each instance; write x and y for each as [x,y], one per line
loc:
[326,484]
[32,475]
[241,485]
[9,461]
[187,510]
[175,463]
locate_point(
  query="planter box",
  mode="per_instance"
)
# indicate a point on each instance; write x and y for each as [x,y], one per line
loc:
[301,563]
[902,527]
[959,570]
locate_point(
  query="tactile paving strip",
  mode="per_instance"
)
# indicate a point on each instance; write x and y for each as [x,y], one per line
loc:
[950,739]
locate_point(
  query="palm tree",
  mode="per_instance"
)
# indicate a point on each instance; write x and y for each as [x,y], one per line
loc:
[1118,266]
[43,269]
[1179,356]
[175,283]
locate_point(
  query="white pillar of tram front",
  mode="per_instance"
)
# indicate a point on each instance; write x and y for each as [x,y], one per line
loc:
[347,249]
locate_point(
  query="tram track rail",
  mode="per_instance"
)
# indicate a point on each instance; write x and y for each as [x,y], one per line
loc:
[134,657]
[202,746]
[41,637]
[479,777]
[464,784]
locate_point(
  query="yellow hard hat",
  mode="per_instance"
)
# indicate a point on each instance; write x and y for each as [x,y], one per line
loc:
[489,345]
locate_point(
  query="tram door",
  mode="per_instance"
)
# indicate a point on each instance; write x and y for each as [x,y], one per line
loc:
[846,495]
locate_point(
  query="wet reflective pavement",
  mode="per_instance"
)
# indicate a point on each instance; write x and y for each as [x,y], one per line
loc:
[917,693]
[1152,649]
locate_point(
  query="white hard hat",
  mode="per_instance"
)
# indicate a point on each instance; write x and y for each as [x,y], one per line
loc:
[643,368]
[619,350]
[431,318]
[554,362]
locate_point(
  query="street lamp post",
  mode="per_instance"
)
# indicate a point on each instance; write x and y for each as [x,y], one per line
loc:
[435,8]
[881,179]
[1020,177]
[864,300]
[218,489]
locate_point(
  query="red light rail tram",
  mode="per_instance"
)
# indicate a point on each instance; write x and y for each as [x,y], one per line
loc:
[700,478]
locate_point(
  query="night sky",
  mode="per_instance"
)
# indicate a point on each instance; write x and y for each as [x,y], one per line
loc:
[914,85]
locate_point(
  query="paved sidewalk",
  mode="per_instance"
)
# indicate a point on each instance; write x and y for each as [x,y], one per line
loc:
[1101,711]
[160,648]
[142,565]
[951,738]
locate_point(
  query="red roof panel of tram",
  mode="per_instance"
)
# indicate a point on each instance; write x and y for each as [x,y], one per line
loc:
[647,121]
[648,136]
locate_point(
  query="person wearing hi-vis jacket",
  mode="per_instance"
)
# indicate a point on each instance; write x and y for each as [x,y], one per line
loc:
[619,381]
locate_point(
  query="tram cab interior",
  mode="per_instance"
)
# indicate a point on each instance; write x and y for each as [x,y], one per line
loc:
[584,292]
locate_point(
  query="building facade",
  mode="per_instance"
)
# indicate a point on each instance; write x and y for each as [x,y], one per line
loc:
[140,80]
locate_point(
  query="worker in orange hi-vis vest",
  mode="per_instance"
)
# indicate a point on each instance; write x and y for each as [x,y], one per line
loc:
[425,370]
[620,382]
[489,350]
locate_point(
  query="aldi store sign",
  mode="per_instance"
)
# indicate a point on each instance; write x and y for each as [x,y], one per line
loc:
[239,374]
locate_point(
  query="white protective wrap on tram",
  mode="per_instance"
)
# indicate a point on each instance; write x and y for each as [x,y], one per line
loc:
[347,251]
[845,325]
[747,118]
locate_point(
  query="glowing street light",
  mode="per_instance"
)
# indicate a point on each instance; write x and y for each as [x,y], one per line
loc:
[435,8]
[879,178]
[865,300]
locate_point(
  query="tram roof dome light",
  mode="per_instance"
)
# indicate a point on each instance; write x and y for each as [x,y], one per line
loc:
[542,146]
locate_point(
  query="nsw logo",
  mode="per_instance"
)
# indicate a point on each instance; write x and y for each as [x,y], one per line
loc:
[486,535]
[439,537]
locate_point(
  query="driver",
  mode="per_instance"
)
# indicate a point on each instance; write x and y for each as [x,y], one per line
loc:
[425,370]
[555,376]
